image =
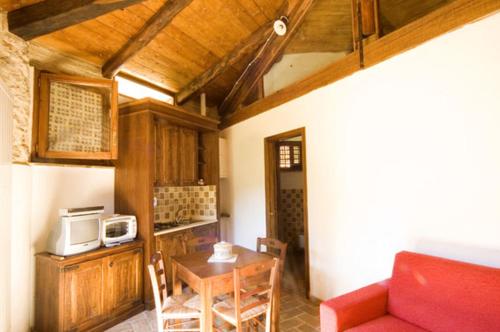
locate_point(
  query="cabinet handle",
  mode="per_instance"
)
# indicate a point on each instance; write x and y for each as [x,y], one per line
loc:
[111,264]
[138,251]
[71,267]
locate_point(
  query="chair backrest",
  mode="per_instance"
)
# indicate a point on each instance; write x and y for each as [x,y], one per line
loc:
[156,270]
[264,274]
[196,243]
[275,248]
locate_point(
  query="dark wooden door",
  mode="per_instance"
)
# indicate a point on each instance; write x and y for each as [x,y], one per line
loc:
[123,284]
[83,295]
[188,156]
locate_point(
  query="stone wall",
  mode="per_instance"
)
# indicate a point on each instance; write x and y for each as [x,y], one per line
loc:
[16,75]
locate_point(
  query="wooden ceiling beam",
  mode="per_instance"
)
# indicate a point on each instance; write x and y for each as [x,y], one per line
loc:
[51,15]
[241,50]
[145,35]
[266,57]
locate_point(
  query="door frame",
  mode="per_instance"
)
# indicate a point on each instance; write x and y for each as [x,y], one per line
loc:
[272,185]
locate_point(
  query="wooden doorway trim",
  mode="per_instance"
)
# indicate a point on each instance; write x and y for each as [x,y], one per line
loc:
[272,185]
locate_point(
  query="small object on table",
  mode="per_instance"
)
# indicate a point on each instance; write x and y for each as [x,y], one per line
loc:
[223,253]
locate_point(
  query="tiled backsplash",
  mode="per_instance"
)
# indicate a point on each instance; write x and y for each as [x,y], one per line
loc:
[197,202]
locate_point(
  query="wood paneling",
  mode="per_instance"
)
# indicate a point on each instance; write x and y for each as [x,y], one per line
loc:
[145,35]
[326,28]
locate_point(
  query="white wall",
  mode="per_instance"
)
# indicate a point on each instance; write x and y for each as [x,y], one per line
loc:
[294,67]
[403,155]
[39,193]
[5,204]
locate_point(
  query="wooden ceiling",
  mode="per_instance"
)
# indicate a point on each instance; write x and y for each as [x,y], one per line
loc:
[203,33]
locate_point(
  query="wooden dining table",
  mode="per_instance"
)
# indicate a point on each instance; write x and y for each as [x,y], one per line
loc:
[214,279]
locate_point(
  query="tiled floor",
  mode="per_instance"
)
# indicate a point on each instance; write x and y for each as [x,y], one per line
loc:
[296,314]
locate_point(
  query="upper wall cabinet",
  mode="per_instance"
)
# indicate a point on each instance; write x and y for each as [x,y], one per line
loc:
[77,118]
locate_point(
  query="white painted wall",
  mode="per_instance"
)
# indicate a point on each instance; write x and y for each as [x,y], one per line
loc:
[403,155]
[294,67]
[39,193]
[5,205]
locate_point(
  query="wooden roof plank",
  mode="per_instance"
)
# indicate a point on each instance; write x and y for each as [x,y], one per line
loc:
[244,48]
[52,15]
[148,32]
[265,58]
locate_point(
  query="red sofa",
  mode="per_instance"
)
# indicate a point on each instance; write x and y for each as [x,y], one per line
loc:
[425,293]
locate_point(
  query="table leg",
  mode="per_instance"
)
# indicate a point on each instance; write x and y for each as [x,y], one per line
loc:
[176,283]
[206,306]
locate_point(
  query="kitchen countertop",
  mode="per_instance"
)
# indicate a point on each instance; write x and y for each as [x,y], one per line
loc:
[187,226]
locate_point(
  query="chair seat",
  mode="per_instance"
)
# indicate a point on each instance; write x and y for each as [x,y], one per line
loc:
[386,323]
[226,309]
[183,306]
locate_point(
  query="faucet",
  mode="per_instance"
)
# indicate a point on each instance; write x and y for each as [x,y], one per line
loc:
[178,215]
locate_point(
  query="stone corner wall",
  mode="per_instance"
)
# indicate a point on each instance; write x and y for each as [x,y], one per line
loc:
[16,76]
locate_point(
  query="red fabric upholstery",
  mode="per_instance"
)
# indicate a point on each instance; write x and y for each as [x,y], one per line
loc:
[425,293]
[355,308]
[386,323]
[442,295]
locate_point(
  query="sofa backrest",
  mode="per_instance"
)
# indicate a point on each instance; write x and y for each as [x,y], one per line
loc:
[442,295]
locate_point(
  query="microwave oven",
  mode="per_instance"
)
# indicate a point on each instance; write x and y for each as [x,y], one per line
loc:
[78,230]
[117,229]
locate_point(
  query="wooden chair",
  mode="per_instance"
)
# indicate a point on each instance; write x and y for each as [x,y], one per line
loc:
[275,248]
[248,305]
[196,243]
[173,313]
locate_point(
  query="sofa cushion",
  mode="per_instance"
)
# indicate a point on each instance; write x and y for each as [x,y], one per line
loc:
[442,295]
[386,323]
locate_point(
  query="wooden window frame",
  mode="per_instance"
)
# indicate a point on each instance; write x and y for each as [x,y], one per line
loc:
[41,117]
[293,167]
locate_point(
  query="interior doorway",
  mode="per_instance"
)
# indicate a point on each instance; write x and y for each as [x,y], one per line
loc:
[286,204]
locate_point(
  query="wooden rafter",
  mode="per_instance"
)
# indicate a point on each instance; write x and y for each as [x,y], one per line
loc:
[146,34]
[265,58]
[445,19]
[239,52]
[51,15]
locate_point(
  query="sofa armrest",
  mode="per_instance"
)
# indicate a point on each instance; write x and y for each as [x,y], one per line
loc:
[355,308]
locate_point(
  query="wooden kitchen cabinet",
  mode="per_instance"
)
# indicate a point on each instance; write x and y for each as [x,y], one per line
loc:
[171,244]
[89,291]
[148,129]
[188,157]
[124,280]
[167,154]
[176,162]
[82,294]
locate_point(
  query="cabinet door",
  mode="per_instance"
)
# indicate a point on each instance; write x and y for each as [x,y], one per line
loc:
[188,156]
[83,295]
[167,154]
[123,286]
[170,245]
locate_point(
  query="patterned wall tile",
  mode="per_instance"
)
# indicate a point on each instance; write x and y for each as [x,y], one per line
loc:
[291,216]
[198,202]
[78,119]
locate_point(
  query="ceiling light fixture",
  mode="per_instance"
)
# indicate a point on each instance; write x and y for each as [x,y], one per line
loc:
[280,25]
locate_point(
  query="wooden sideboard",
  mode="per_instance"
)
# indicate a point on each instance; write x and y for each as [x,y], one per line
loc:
[89,291]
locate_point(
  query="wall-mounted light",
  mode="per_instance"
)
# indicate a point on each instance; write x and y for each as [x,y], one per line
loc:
[280,26]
